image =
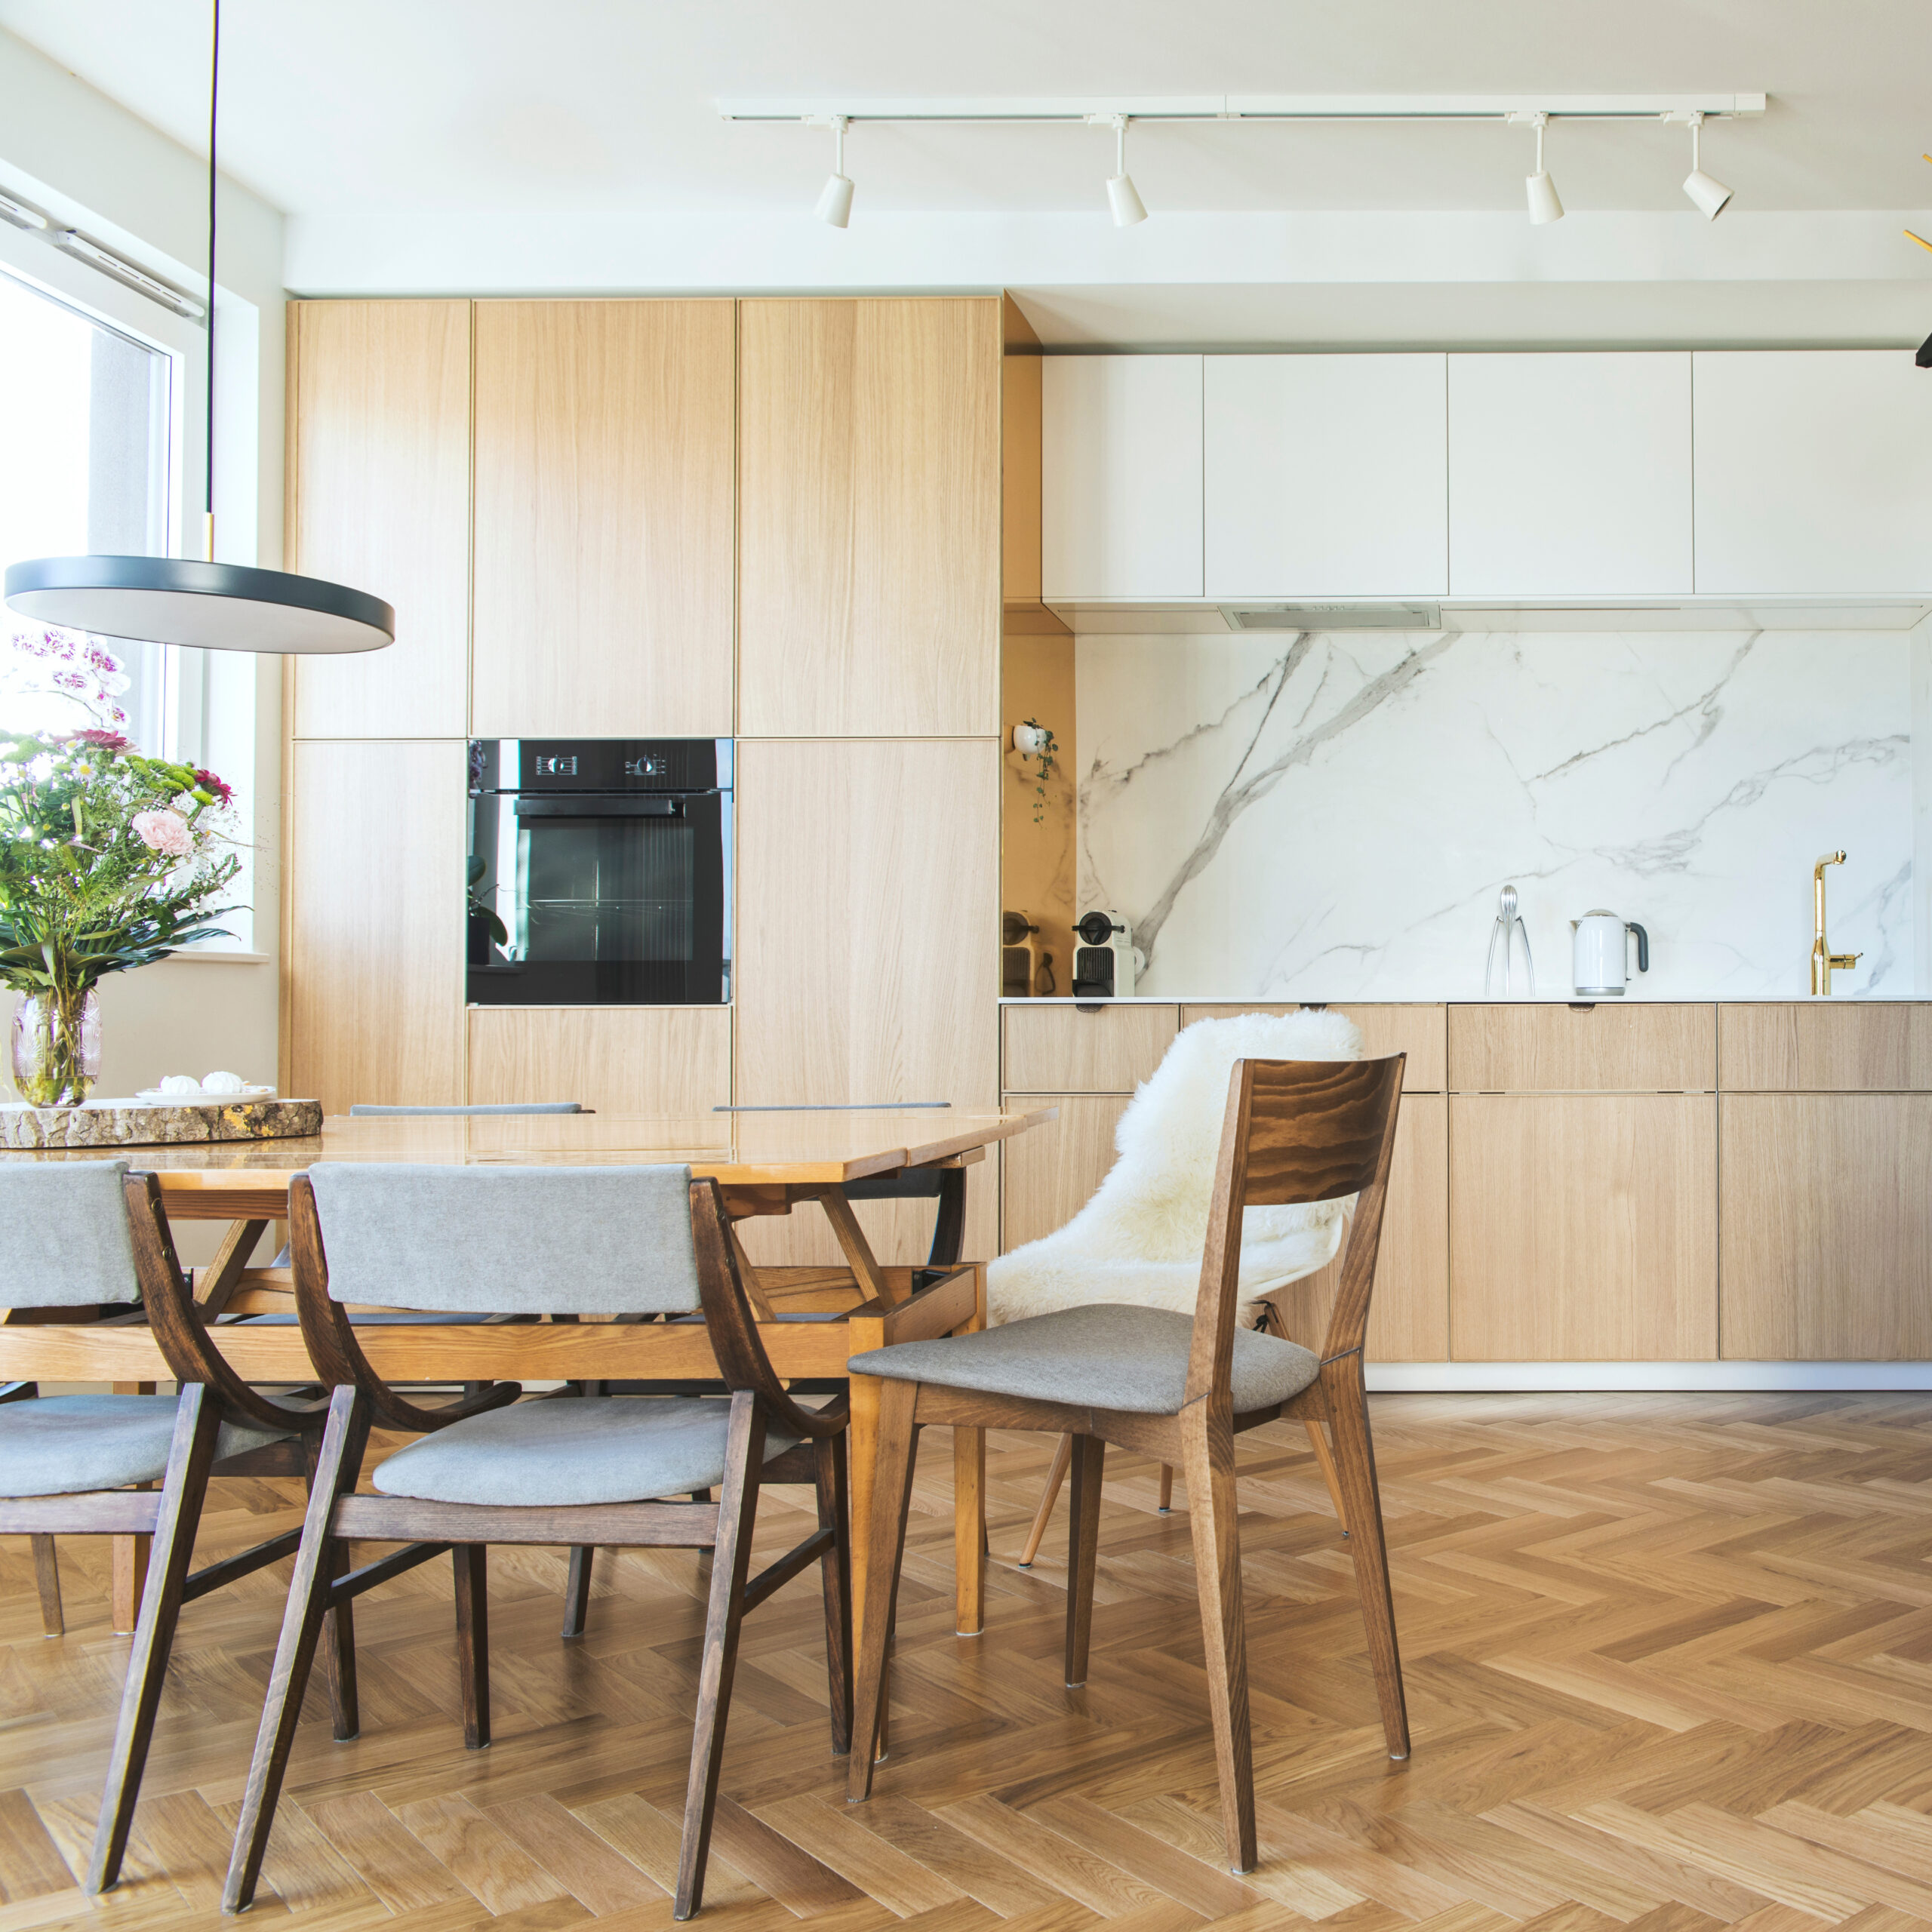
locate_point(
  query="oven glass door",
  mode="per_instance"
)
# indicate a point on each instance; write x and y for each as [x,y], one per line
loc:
[603,900]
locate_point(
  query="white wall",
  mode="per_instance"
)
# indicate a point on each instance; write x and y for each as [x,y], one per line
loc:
[91,163]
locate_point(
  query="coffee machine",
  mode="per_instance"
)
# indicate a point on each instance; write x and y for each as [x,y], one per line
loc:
[1105,960]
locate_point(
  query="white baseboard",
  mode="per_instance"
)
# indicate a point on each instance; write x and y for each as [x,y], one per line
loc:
[1476,1376]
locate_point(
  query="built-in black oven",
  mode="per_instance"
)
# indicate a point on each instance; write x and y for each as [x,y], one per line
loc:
[600,872]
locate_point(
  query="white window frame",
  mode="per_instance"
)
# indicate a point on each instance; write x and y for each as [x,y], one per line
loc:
[208,698]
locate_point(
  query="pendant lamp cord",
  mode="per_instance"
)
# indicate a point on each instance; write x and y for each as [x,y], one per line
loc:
[207,460]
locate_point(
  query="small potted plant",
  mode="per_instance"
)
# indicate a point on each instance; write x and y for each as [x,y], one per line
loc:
[108,861]
[1034,740]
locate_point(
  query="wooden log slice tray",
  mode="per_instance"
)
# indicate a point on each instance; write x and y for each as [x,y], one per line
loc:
[157,1123]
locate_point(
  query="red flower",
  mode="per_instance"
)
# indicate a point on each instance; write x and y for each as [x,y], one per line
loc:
[224,792]
[108,741]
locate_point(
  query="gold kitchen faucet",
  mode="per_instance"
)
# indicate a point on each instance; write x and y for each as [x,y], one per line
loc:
[1822,958]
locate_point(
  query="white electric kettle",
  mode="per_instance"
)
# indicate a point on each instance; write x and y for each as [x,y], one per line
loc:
[1598,948]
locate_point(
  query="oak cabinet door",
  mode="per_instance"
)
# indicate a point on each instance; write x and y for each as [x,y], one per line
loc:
[869,558]
[662,1061]
[867,971]
[379,498]
[1051,1171]
[1827,1219]
[1582,1227]
[604,519]
[373,844]
[1056,1048]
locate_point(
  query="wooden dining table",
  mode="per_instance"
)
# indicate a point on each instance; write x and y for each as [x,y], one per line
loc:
[766,1163]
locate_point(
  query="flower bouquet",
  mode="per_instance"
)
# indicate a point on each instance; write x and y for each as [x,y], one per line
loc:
[108,860]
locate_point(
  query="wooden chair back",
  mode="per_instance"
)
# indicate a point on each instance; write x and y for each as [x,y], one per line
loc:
[1296,1132]
[329,1334]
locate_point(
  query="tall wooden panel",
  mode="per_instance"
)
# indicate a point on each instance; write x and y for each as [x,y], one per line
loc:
[1583,1227]
[372,961]
[379,497]
[604,519]
[869,520]
[1827,1221]
[659,1060]
[867,965]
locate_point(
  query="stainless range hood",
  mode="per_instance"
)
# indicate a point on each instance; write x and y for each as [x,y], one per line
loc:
[1139,617]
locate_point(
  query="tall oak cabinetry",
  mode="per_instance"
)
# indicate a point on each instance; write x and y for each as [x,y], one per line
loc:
[774,520]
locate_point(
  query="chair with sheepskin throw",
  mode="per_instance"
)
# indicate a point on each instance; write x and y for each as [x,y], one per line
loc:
[1139,1239]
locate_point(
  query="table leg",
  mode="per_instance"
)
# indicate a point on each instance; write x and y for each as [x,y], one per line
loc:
[130,1553]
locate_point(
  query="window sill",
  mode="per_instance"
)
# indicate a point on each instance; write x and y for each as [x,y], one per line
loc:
[218,953]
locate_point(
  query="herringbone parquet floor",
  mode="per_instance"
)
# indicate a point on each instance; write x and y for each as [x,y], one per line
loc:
[1669,1664]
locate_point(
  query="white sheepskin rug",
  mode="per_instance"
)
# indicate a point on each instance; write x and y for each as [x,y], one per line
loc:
[1140,1239]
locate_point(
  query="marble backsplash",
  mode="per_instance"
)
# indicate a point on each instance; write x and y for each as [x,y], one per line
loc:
[1331,815]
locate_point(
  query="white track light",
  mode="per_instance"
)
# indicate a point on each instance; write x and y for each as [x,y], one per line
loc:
[1544,204]
[835,198]
[1122,197]
[1709,194]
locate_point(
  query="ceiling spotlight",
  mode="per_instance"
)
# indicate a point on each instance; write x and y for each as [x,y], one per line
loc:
[1122,198]
[1708,194]
[835,198]
[1544,204]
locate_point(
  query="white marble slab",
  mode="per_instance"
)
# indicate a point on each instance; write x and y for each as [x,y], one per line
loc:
[1331,816]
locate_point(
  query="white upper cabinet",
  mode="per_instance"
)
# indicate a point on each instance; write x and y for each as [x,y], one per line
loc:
[1570,474]
[1120,476]
[1814,471]
[1325,476]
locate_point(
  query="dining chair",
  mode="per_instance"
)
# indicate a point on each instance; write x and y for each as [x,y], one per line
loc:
[77,1237]
[1138,1238]
[1157,1382]
[577,1470]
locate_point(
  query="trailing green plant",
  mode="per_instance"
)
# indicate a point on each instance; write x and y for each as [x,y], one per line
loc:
[108,861]
[1046,749]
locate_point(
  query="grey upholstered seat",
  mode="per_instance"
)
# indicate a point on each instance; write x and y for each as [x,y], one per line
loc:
[1104,1355]
[560,1450]
[514,1107]
[64,1445]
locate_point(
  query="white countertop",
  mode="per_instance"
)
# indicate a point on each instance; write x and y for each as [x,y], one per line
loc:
[1468,999]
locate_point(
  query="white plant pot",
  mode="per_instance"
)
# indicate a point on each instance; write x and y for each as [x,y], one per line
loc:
[1031,739]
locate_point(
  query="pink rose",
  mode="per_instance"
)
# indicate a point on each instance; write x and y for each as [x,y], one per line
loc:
[164,831]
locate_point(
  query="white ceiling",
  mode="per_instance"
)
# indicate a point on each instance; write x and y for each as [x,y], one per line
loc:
[345,107]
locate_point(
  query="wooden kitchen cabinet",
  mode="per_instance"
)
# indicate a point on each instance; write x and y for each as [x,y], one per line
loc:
[1121,477]
[1868,1047]
[1813,468]
[1325,476]
[1051,1172]
[1570,474]
[372,932]
[868,559]
[604,519]
[867,901]
[1582,1227]
[1058,1049]
[1827,1227]
[379,497]
[1408,1316]
[1421,1031]
[659,1060]
[1521,1048]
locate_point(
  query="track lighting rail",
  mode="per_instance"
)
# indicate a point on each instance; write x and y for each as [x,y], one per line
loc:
[1249,107]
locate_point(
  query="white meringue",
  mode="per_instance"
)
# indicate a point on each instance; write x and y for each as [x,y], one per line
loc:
[223,1083]
[180,1083]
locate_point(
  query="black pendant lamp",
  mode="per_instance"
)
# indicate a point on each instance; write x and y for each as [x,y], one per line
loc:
[179,600]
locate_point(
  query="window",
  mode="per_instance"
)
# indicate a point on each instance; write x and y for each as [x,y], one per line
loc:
[85,417]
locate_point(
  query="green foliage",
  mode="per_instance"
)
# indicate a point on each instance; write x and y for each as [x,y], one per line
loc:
[83,892]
